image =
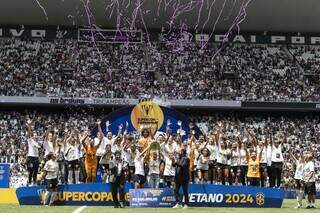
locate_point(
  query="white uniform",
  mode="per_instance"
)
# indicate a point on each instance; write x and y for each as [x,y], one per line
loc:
[52,169]
[169,169]
[72,152]
[203,163]
[154,167]
[48,148]
[33,148]
[235,158]
[276,155]
[139,165]
[309,172]
[102,148]
[299,171]
[263,154]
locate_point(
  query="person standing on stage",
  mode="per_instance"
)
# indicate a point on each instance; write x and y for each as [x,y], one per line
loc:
[310,181]
[298,178]
[33,154]
[117,179]
[277,161]
[253,173]
[91,156]
[52,168]
[182,178]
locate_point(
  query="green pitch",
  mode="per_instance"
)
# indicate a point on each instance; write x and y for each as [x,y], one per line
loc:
[287,207]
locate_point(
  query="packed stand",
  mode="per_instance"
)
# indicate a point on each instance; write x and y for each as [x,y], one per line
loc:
[308,57]
[183,70]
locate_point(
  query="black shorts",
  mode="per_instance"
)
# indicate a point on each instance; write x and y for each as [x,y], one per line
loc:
[104,167]
[298,183]
[235,169]
[32,162]
[222,166]
[263,167]
[310,188]
[52,184]
[168,178]
[74,164]
[212,164]
[139,179]
[253,181]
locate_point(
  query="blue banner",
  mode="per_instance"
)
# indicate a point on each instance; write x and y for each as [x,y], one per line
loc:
[210,196]
[72,194]
[199,195]
[4,175]
[151,197]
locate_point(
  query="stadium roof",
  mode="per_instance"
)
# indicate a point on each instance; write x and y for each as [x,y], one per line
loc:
[262,15]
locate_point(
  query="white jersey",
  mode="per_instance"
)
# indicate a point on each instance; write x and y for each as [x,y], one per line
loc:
[223,156]
[263,154]
[212,150]
[169,169]
[33,148]
[276,155]
[48,148]
[309,172]
[243,157]
[235,157]
[72,152]
[203,163]
[169,148]
[52,169]
[298,175]
[139,165]
[154,167]
[269,155]
[102,148]
[129,157]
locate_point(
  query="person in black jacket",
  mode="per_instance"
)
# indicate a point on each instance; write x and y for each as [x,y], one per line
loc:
[182,178]
[117,179]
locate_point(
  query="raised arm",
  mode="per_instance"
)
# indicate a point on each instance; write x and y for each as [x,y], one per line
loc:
[29,128]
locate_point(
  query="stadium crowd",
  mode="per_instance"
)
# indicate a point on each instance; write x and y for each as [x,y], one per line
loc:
[301,136]
[181,70]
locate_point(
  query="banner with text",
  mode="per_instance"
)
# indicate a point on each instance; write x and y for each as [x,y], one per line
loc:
[199,195]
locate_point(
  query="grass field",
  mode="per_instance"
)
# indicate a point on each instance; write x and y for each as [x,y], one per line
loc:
[287,207]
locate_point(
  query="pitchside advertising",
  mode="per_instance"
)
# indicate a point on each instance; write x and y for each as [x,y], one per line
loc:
[4,175]
[199,196]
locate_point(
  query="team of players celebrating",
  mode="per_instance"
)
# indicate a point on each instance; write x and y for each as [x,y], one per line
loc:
[153,157]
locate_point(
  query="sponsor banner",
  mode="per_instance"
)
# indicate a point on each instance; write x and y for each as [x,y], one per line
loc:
[103,35]
[199,195]
[4,175]
[151,197]
[211,196]
[292,194]
[72,194]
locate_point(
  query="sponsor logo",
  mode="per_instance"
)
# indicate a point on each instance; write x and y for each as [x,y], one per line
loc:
[260,199]
[147,114]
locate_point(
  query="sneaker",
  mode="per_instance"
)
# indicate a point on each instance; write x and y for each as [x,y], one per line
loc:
[177,206]
[308,207]
[185,207]
[297,207]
